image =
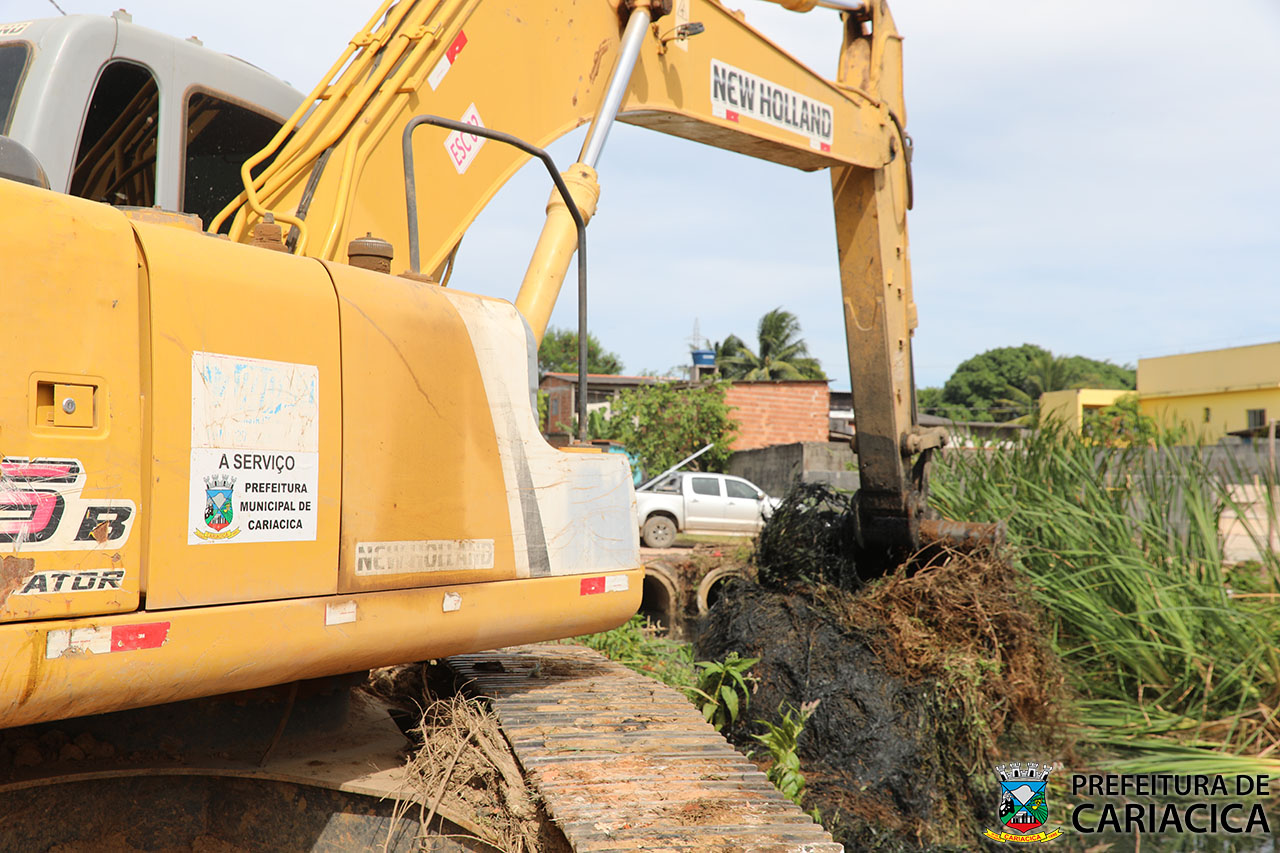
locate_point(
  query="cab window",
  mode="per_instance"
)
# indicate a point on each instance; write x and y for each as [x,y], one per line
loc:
[116,160]
[706,486]
[670,486]
[13,65]
[739,489]
[220,136]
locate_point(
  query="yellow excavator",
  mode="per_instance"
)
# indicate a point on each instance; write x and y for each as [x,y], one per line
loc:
[253,429]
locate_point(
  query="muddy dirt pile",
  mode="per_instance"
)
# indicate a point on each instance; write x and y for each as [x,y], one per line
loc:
[923,679]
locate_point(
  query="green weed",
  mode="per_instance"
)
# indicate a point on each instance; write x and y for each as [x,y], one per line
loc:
[782,739]
[1122,547]
[636,645]
[724,689]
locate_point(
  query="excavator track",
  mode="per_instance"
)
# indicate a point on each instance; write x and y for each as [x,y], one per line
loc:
[624,763]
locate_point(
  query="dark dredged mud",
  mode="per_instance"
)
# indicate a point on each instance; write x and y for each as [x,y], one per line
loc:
[924,680]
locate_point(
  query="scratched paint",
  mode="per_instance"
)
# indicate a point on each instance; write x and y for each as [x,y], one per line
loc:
[41,508]
[102,640]
[14,572]
[254,404]
[574,512]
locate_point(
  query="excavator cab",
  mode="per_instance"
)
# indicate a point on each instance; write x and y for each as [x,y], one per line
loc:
[118,113]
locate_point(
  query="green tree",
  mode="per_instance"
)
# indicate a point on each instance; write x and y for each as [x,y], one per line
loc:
[559,354]
[780,352]
[1092,373]
[1123,424]
[664,423]
[979,381]
[980,388]
[929,402]
[1045,372]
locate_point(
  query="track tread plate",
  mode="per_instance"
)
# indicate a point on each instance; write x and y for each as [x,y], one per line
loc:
[624,763]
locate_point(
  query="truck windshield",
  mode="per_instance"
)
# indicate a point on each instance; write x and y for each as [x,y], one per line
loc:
[13,64]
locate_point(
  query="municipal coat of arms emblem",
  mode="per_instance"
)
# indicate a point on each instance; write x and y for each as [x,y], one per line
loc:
[1024,804]
[219,507]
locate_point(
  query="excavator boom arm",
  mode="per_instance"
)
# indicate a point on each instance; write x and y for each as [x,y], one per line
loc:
[333,167]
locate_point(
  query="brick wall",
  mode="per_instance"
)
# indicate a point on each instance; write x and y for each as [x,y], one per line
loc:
[559,405]
[779,412]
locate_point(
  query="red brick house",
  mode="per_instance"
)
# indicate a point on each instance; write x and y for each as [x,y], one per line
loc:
[768,412]
[779,411]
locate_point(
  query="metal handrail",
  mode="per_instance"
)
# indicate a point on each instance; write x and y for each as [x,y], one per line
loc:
[411,205]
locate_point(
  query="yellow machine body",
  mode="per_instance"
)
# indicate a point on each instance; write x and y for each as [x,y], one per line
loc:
[226,467]
[390,497]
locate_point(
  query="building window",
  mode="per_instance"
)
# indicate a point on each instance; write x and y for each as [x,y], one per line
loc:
[1206,414]
[1257,418]
[116,161]
[555,405]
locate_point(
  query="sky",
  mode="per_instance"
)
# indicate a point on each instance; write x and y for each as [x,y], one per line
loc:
[1101,180]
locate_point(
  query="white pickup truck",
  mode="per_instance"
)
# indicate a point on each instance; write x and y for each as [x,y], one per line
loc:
[688,502]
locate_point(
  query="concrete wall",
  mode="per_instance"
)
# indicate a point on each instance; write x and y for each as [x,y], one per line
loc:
[1251,524]
[770,413]
[776,468]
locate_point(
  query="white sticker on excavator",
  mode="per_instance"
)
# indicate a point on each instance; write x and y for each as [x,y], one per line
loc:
[255,450]
[425,555]
[436,77]
[341,613]
[463,147]
[736,93]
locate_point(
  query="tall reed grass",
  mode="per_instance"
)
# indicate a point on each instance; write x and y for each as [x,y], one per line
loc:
[1122,547]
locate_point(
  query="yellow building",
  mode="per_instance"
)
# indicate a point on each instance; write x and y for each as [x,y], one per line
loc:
[1071,406]
[1214,392]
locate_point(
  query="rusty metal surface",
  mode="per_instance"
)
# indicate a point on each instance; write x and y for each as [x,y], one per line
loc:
[962,533]
[626,763]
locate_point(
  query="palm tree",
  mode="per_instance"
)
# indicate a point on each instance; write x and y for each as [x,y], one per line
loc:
[780,352]
[1045,372]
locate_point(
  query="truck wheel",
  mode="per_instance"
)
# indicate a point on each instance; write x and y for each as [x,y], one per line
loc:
[658,532]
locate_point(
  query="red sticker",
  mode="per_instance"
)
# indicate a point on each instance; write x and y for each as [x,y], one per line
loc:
[591,586]
[826,147]
[129,638]
[456,48]
[39,470]
[730,115]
